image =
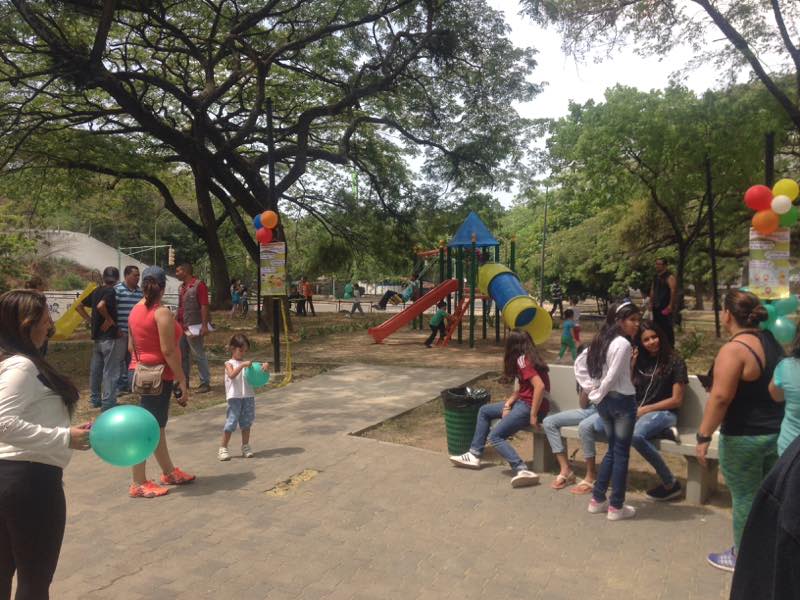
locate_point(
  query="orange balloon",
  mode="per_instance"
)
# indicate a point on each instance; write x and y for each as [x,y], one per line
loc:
[766,221]
[269,219]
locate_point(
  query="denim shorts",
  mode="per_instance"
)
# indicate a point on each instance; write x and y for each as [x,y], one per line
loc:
[159,405]
[241,412]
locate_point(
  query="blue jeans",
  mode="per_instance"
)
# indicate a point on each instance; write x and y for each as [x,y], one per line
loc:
[587,432]
[104,372]
[192,346]
[517,419]
[124,384]
[552,428]
[618,414]
[647,427]
[241,412]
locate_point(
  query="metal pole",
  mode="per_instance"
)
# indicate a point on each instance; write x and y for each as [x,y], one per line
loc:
[496,307]
[769,159]
[544,243]
[276,333]
[460,294]
[155,240]
[449,275]
[484,304]
[472,276]
[713,247]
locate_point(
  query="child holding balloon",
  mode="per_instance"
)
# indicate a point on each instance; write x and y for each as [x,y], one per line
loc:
[240,377]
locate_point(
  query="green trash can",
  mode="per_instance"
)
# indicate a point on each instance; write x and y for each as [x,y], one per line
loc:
[461,406]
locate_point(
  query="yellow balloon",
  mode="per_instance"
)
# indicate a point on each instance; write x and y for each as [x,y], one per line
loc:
[786,187]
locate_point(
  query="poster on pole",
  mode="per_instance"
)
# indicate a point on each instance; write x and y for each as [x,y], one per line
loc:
[273,269]
[769,264]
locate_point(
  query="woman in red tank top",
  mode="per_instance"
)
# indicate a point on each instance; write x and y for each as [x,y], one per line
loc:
[153,340]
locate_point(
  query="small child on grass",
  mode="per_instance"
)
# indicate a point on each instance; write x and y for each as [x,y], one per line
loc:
[568,335]
[240,396]
[438,321]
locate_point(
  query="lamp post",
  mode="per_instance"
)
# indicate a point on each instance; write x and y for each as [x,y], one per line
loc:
[544,243]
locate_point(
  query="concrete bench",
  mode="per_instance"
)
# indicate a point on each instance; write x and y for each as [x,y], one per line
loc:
[701,481]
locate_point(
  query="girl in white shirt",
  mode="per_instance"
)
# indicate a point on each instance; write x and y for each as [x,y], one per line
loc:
[604,371]
[36,443]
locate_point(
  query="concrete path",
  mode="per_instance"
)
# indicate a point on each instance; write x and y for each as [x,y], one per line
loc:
[364,519]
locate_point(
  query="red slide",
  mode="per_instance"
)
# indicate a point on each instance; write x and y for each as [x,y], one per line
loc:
[384,330]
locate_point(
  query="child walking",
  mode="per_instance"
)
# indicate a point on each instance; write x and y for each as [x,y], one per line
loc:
[527,405]
[438,321]
[568,335]
[240,396]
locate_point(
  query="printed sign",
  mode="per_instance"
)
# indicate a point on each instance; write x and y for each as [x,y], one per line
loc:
[273,269]
[769,264]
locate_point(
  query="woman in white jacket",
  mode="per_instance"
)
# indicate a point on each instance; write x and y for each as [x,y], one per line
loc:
[36,442]
[604,372]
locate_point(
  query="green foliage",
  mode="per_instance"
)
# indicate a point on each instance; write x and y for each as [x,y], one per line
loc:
[17,247]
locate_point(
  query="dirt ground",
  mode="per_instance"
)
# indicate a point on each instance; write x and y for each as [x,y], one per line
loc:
[328,340]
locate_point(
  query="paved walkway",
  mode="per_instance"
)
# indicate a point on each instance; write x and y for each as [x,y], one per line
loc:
[376,521]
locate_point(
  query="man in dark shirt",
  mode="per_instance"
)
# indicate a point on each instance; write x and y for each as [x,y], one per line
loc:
[766,565]
[663,299]
[109,347]
[557,297]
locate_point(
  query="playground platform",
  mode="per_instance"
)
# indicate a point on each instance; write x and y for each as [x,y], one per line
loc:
[361,519]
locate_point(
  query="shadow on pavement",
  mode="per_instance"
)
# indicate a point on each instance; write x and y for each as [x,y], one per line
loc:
[211,484]
[272,452]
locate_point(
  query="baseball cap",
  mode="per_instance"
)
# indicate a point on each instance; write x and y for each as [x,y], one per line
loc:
[156,273]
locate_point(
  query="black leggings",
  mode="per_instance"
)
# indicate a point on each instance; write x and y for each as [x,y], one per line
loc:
[32,516]
[440,329]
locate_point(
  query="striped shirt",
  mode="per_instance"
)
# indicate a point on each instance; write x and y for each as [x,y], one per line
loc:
[126,300]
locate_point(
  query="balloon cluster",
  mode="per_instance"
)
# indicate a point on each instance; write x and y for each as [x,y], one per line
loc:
[778,321]
[774,206]
[265,224]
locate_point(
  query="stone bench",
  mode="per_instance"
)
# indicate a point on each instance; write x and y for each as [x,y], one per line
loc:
[701,481]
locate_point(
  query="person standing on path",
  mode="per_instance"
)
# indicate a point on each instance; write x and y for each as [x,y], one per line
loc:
[109,351]
[664,299]
[153,340]
[605,373]
[739,400]
[557,297]
[307,290]
[128,294]
[193,319]
[36,443]
[356,296]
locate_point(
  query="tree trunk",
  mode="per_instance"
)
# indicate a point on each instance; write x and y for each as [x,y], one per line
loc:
[699,288]
[220,279]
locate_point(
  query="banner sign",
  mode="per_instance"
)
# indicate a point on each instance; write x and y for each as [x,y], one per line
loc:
[769,264]
[273,269]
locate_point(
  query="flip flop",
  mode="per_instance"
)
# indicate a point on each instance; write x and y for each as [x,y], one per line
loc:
[562,481]
[583,487]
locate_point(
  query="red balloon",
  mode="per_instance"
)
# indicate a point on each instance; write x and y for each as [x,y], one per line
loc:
[758,197]
[264,235]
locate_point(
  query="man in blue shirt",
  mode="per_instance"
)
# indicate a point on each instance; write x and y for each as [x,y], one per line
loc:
[128,295]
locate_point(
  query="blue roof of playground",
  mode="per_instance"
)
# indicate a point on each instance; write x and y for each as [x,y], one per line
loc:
[473,224]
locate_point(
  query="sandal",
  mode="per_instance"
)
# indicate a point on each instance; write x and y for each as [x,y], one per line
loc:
[583,487]
[562,481]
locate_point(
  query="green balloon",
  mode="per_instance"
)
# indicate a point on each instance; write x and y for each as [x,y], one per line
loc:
[788,219]
[125,435]
[772,312]
[784,330]
[786,306]
[255,376]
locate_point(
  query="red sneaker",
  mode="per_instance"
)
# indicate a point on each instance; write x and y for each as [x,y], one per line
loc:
[148,489]
[177,477]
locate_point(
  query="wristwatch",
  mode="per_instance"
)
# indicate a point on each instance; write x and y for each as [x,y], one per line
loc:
[703,439]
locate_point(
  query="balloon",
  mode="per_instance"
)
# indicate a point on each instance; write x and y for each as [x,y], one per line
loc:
[790,218]
[255,376]
[786,306]
[772,312]
[125,435]
[783,329]
[264,235]
[269,218]
[786,187]
[758,197]
[781,204]
[257,221]
[765,222]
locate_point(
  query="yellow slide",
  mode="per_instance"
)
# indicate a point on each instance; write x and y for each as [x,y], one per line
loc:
[70,320]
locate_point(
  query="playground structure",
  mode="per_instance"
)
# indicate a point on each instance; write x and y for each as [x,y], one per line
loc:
[461,283]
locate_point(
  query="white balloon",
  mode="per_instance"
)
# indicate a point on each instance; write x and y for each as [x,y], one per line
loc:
[781,204]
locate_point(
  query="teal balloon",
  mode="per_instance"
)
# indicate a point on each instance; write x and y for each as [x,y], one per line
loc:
[772,312]
[784,330]
[790,218]
[786,306]
[125,435]
[255,376]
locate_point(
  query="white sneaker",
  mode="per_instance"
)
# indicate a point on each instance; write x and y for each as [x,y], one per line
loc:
[468,460]
[247,451]
[617,514]
[223,454]
[524,478]
[596,507]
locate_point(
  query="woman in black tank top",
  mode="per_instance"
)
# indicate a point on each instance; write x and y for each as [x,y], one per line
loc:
[739,402]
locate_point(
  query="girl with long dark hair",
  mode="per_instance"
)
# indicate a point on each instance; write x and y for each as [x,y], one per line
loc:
[36,443]
[604,372]
[527,405]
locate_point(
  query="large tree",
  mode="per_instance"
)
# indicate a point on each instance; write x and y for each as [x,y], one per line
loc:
[129,88]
